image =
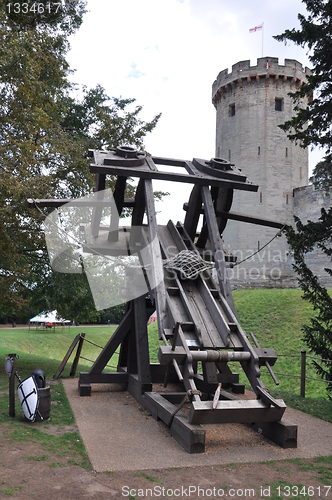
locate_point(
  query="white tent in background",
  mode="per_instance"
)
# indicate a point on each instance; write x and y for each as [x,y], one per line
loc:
[48,319]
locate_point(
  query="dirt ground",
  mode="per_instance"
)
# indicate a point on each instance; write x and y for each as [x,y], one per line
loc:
[27,473]
[28,470]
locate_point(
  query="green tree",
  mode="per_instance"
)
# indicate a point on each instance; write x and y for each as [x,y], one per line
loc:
[311,125]
[45,134]
[33,77]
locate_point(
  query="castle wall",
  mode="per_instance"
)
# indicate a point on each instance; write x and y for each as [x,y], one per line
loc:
[251,102]
[308,203]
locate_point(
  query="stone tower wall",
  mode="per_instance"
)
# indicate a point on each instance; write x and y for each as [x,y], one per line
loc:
[308,203]
[250,103]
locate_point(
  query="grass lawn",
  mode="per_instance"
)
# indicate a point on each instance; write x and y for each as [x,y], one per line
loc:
[274,316]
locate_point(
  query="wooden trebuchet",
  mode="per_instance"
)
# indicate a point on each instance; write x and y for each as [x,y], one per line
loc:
[197,321]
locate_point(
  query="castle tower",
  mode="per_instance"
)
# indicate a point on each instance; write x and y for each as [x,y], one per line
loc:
[251,102]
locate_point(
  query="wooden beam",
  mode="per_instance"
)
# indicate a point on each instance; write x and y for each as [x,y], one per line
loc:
[113,343]
[98,210]
[139,205]
[156,258]
[191,437]
[283,432]
[260,221]
[241,411]
[79,202]
[217,247]
[145,173]
[142,344]
[118,196]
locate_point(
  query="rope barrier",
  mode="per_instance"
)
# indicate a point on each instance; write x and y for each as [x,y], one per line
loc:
[308,356]
[91,361]
[97,345]
[299,376]
[262,248]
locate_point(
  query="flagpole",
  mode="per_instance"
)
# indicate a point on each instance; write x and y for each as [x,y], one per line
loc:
[263,40]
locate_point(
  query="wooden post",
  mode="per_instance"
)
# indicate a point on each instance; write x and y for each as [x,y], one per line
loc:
[303,368]
[12,387]
[78,354]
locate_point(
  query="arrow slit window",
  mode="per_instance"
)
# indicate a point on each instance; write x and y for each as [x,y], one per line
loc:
[279,104]
[232,109]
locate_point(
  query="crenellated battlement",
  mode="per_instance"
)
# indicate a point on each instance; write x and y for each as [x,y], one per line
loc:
[267,67]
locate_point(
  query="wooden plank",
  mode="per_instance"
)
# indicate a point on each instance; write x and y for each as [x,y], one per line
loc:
[242,411]
[166,241]
[176,236]
[217,247]
[149,174]
[156,259]
[209,335]
[142,345]
[197,308]
[217,314]
[205,280]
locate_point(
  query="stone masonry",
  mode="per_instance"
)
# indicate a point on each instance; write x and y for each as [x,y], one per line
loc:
[250,103]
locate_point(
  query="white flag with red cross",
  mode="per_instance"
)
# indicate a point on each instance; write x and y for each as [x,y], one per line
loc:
[256,28]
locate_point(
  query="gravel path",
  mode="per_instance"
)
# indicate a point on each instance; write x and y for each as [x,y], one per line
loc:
[120,436]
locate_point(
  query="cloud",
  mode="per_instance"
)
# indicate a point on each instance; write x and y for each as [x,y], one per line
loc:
[135,72]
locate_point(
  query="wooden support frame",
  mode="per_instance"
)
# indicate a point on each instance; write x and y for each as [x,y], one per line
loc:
[198,319]
[131,335]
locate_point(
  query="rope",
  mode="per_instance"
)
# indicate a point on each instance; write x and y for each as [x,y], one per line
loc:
[91,361]
[188,263]
[187,398]
[255,253]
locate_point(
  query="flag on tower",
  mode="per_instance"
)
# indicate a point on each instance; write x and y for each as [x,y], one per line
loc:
[256,28]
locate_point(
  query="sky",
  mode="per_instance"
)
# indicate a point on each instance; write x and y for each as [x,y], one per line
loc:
[166,54]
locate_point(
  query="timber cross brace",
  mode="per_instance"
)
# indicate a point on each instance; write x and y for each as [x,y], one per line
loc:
[197,321]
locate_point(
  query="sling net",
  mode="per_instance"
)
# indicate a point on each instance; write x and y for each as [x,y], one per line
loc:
[188,263]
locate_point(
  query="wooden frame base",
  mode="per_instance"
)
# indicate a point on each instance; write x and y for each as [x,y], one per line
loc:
[187,429]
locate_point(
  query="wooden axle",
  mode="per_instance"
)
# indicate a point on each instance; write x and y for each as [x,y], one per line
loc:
[166,354]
